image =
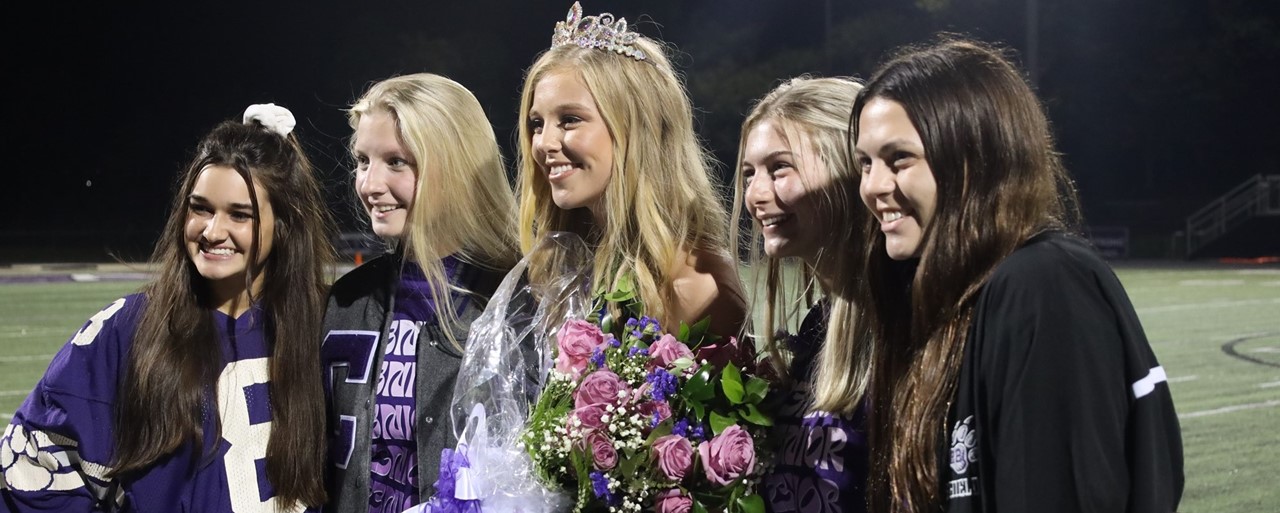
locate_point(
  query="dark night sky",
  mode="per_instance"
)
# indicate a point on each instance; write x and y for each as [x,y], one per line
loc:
[1158,106]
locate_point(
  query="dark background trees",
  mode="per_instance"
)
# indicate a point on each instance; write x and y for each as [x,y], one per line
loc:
[1158,106]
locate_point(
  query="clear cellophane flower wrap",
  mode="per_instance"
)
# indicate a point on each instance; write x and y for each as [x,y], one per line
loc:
[504,365]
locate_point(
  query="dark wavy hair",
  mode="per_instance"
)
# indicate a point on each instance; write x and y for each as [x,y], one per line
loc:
[999,182]
[175,362]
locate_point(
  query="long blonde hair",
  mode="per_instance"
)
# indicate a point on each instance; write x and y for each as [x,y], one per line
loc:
[661,200]
[816,110]
[466,208]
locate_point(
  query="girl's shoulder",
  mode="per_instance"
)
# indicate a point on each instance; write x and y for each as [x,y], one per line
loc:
[707,283]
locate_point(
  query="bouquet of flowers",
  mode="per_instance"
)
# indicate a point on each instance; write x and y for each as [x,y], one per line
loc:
[632,416]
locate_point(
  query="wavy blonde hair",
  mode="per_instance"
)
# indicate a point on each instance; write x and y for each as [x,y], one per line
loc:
[467,208]
[815,111]
[660,200]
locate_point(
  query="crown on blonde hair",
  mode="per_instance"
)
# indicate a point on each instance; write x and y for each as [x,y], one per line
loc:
[600,32]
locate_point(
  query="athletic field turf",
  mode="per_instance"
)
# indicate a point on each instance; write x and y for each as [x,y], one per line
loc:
[1216,330]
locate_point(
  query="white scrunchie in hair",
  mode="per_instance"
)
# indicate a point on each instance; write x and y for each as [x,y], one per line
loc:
[276,118]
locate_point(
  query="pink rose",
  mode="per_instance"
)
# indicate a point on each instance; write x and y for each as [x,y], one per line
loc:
[674,455]
[601,387]
[590,415]
[728,456]
[602,451]
[667,350]
[723,353]
[673,501]
[576,340]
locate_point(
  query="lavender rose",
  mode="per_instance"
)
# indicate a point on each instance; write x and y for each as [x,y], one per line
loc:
[673,501]
[601,387]
[602,451]
[590,415]
[674,455]
[667,350]
[728,456]
[576,340]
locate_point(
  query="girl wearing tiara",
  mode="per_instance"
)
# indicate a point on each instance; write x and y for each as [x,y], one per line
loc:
[199,392]
[797,182]
[430,177]
[608,151]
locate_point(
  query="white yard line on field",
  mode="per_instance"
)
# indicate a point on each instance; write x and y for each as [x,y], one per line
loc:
[1201,306]
[11,393]
[1269,385]
[1229,409]
[1180,379]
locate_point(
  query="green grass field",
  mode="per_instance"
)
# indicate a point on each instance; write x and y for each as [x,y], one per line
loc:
[1215,329]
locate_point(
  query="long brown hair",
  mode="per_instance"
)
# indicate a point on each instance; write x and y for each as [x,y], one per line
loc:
[176,360]
[999,182]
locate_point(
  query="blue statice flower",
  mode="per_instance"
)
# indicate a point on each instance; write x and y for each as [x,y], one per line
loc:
[681,428]
[637,334]
[613,342]
[637,351]
[600,487]
[664,384]
[597,357]
[698,433]
[632,323]
[657,419]
[649,325]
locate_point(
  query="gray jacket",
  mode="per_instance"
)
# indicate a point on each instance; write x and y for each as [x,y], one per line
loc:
[355,327]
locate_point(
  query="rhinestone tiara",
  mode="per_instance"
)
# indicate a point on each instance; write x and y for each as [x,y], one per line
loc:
[600,32]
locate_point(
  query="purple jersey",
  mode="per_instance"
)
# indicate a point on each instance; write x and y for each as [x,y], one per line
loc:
[55,453]
[821,458]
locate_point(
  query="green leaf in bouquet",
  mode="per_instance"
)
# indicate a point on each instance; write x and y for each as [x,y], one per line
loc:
[753,415]
[697,332]
[699,388]
[663,429]
[682,363]
[750,504]
[757,389]
[699,410]
[629,465]
[731,383]
[683,334]
[698,507]
[720,422]
[606,322]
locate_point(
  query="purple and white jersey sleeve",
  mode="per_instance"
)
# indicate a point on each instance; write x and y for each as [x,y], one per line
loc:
[54,452]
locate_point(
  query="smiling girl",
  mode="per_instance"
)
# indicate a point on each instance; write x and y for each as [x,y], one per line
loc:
[797,183]
[430,178]
[1011,372]
[199,392]
[608,151]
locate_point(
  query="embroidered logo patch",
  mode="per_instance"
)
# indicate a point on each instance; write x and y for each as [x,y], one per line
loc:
[964,442]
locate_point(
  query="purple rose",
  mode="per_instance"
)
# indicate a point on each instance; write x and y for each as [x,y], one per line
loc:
[674,455]
[667,350]
[728,456]
[673,501]
[590,415]
[655,411]
[721,354]
[602,451]
[576,340]
[601,387]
